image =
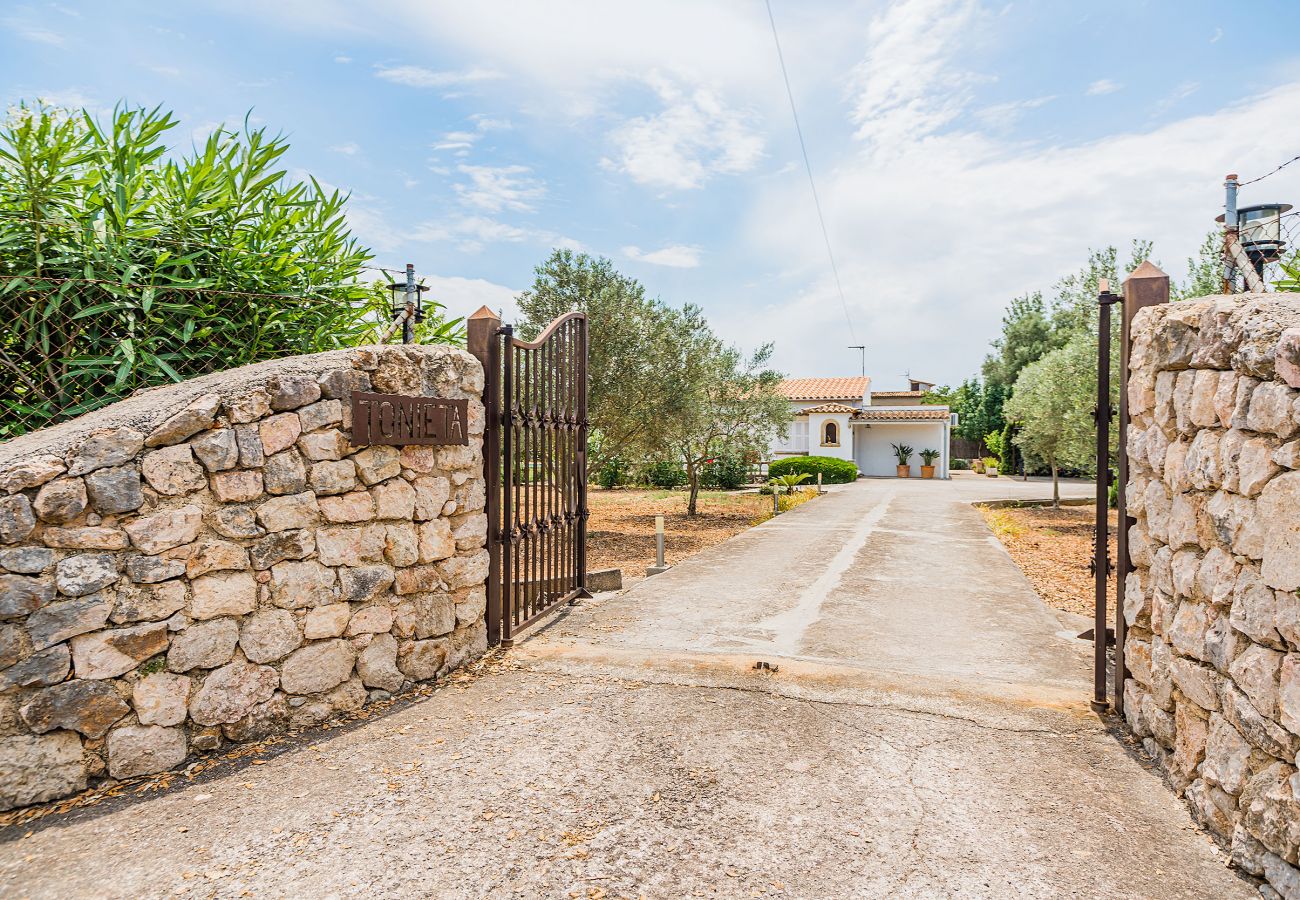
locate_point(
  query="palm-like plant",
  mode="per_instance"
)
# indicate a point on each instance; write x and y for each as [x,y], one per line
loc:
[789,482]
[903,452]
[929,455]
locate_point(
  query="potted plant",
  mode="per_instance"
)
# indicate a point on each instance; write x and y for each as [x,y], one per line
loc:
[928,456]
[977,465]
[904,454]
[991,466]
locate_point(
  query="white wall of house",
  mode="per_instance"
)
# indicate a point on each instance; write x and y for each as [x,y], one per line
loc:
[843,449]
[875,457]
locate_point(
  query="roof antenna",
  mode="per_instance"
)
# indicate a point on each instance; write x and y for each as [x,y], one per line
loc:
[861,348]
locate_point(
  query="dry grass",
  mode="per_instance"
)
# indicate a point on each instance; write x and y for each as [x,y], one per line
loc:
[1053,548]
[621,530]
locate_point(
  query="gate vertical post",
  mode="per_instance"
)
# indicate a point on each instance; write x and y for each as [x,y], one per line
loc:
[1102,415]
[1145,286]
[482,340]
[583,513]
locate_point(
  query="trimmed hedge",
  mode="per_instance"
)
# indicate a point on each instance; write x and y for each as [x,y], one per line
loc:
[834,471]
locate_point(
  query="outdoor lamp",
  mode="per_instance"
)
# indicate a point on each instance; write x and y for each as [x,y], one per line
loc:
[1259,229]
[398,292]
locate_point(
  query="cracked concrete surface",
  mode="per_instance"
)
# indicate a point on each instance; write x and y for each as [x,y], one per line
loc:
[925,733]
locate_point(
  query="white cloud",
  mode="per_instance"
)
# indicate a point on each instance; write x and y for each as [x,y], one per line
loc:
[342,60]
[464,296]
[37,34]
[420,77]
[1103,86]
[349,148]
[695,137]
[677,256]
[494,188]
[1218,33]
[908,86]
[470,234]
[1004,115]
[974,220]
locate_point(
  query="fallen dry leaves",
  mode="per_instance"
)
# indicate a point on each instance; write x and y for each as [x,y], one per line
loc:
[1053,548]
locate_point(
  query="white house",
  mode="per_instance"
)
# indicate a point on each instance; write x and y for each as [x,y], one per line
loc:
[843,417]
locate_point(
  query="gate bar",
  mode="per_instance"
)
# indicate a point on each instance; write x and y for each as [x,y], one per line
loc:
[1101,550]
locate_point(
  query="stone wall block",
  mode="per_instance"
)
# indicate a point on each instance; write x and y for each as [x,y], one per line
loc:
[165,530]
[281,546]
[230,693]
[317,667]
[61,500]
[1270,410]
[203,645]
[296,584]
[249,407]
[87,707]
[108,447]
[269,635]
[36,768]
[223,594]
[321,414]
[31,473]
[115,489]
[1279,506]
[217,449]
[333,477]
[292,391]
[108,654]
[195,417]
[17,520]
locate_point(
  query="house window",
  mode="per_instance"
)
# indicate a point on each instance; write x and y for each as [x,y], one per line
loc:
[830,435]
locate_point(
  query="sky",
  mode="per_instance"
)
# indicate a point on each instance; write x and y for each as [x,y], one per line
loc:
[964,152]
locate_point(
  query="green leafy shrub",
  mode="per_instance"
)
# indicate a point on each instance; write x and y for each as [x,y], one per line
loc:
[726,472]
[959,464]
[665,473]
[833,471]
[928,456]
[612,473]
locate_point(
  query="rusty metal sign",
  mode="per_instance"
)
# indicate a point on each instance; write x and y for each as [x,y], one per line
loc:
[400,421]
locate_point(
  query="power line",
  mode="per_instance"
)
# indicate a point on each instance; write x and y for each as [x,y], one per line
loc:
[808,165]
[1274,172]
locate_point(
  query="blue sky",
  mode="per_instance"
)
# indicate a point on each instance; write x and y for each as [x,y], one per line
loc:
[965,152]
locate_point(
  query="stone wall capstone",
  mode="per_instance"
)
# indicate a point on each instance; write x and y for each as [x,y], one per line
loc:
[214,562]
[1213,608]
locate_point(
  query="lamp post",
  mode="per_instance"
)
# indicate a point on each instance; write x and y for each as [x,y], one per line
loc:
[1258,229]
[407,303]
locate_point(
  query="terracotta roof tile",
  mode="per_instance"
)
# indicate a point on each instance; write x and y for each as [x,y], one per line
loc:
[901,414]
[824,388]
[827,408]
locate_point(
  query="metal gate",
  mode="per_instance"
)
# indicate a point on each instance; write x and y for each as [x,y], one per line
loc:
[535,462]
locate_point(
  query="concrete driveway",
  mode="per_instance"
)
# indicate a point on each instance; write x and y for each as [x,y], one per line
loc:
[919,728]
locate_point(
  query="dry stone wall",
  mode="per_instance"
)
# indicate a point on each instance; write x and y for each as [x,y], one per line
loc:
[214,562]
[1213,607]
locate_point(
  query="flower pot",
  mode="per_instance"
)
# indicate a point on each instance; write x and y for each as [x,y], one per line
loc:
[977,466]
[991,471]
[927,471]
[904,471]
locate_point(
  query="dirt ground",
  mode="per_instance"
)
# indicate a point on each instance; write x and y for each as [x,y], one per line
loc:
[1053,548]
[621,530]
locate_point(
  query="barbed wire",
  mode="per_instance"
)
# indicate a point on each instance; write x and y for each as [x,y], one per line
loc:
[1268,174]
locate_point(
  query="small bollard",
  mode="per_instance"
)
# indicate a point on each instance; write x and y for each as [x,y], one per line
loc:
[659,565]
[819,483]
[776,500]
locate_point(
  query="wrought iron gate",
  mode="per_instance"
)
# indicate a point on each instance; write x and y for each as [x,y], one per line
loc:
[535,460]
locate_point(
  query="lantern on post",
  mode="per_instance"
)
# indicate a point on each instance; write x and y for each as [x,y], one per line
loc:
[408,307]
[1259,231]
